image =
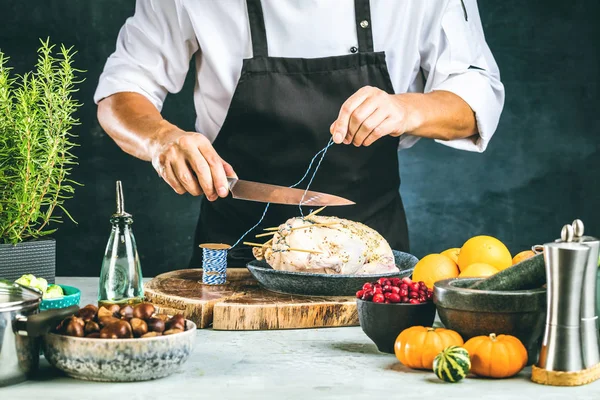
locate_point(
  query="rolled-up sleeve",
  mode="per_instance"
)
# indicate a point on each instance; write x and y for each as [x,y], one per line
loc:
[153,52]
[463,64]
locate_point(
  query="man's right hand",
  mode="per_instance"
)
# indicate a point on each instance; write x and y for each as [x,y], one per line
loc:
[188,162]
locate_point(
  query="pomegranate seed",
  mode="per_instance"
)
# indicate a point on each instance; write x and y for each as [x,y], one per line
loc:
[395,281]
[377,290]
[422,299]
[422,293]
[429,296]
[368,286]
[413,295]
[378,298]
[381,281]
[404,286]
[395,289]
[387,302]
[376,285]
[406,280]
[405,299]
[403,292]
[414,287]
[387,288]
[422,284]
[387,295]
[394,298]
[360,293]
[414,301]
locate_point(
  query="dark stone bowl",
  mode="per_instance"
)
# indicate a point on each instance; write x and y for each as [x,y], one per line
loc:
[472,312]
[382,323]
[308,284]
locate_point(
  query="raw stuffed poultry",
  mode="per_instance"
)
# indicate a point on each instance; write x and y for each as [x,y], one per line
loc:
[329,245]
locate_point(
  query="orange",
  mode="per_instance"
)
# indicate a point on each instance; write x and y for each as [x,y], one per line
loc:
[484,249]
[433,268]
[478,270]
[522,256]
[452,253]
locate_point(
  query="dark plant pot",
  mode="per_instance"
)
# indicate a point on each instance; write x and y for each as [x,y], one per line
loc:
[37,257]
[382,323]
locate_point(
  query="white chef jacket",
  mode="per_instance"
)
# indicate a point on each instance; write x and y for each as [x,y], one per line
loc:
[429,45]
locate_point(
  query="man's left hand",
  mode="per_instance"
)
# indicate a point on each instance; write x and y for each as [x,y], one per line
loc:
[370,114]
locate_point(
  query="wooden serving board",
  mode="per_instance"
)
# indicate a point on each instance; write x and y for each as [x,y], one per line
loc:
[242,304]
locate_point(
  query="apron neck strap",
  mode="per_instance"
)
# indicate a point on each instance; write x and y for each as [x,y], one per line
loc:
[258,33]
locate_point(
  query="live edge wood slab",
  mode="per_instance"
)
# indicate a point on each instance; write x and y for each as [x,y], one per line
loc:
[242,304]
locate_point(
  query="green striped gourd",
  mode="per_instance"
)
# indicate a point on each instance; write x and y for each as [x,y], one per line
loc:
[452,364]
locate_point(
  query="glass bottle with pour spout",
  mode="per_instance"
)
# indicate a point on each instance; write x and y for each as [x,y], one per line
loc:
[121,273]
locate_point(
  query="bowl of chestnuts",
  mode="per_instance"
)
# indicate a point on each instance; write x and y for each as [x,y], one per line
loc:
[120,343]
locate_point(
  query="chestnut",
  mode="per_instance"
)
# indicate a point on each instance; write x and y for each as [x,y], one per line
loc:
[126,311]
[138,326]
[114,309]
[163,317]
[156,325]
[94,335]
[116,330]
[104,321]
[91,327]
[104,312]
[177,322]
[172,331]
[151,334]
[73,326]
[143,311]
[87,313]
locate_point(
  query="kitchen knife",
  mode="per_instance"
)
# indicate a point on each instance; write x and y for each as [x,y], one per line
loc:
[266,193]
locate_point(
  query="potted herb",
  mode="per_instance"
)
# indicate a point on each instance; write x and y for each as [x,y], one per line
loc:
[36,120]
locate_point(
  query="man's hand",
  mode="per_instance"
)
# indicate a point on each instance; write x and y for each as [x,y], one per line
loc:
[370,114]
[188,162]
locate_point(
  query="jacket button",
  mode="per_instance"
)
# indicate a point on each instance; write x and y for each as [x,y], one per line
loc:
[353,49]
[364,24]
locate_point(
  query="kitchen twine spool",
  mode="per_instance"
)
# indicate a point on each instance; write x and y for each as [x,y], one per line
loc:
[214,255]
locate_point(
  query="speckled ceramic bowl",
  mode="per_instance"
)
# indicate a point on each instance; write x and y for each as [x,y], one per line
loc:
[308,284]
[120,360]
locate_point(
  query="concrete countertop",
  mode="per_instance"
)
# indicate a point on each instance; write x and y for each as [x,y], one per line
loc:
[331,363]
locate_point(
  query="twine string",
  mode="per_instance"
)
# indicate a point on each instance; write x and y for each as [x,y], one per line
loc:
[214,261]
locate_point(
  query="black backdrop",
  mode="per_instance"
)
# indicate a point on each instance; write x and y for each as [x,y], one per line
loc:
[540,171]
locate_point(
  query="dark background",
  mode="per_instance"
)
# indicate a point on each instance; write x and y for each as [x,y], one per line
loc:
[540,171]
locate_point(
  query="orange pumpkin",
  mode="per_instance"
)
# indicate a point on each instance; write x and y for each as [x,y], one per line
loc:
[494,356]
[417,346]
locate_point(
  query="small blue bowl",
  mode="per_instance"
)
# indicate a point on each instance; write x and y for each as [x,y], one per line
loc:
[71,298]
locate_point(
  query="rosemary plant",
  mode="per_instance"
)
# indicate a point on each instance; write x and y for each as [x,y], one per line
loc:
[36,120]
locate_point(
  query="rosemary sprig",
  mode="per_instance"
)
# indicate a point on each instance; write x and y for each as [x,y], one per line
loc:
[36,120]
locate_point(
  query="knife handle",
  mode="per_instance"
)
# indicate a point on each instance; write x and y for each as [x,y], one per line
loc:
[231,181]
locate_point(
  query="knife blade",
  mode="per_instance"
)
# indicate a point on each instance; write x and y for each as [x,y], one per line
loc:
[267,193]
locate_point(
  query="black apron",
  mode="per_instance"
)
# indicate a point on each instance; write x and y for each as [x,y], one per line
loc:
[279,118]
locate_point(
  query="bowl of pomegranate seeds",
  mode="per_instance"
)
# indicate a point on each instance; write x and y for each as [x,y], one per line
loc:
[388,306]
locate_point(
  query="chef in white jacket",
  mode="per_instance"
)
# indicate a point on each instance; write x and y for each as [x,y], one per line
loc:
[277,79]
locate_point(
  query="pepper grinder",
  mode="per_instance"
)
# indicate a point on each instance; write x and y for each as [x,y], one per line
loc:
[565,262]
[121,274]
[589,318]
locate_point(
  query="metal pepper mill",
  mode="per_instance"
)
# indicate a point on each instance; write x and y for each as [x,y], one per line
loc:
[590,340]
[565,263]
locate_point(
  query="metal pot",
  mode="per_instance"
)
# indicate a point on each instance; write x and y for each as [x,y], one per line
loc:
[21,329]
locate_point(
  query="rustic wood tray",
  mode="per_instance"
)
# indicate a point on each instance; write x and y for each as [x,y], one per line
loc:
[242,304]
